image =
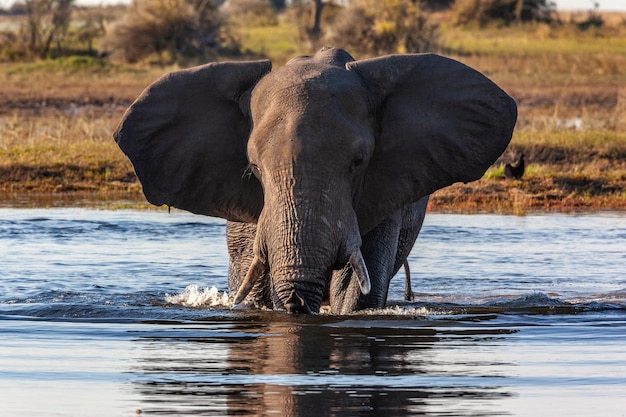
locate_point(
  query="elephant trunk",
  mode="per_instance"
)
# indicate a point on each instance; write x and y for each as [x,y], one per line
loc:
[303,233]
[301,257]
[299,290]
[300,264]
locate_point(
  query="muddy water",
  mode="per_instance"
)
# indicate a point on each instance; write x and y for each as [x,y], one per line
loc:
[105,313]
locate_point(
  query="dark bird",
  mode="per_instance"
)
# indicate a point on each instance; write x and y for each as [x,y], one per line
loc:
[515,171]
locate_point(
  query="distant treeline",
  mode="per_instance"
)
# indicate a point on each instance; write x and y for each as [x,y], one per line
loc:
[175,30]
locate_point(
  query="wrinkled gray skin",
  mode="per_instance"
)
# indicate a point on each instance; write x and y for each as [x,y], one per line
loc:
[322,168]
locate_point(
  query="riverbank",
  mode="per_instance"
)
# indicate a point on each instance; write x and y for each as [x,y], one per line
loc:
[57,119]
[61,153]
[499,198]
[597,185]
[64,154]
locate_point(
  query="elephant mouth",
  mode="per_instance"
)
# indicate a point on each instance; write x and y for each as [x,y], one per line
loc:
[296,304]
[291,294]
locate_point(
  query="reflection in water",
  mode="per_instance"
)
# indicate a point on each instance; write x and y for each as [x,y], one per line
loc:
[294,366]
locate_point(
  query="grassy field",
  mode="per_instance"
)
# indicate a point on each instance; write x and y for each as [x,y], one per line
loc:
[57,118]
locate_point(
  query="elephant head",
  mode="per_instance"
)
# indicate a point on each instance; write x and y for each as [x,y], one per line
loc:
[317,153]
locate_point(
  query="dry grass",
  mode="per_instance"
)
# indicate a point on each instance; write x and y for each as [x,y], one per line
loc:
[75,81]
[57,117]
[566,171]
[559,193]
[61,153]
[56,124]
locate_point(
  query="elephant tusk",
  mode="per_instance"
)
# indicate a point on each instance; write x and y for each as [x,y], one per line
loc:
[360,269]
[257,267]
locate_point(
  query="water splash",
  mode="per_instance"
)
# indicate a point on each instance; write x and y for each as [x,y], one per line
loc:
[194,296]
[397,310]
[198,297]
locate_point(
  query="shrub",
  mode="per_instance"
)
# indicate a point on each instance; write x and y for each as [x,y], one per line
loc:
[376,27]
[251,12]
[482,12]
[12,47]
[169,29]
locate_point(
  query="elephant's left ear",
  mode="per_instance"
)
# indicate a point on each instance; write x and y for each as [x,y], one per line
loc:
[438,122]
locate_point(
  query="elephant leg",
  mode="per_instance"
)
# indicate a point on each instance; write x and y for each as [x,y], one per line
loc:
[385,249]
[412,220]
[379,250]
[391,240]
[240,242]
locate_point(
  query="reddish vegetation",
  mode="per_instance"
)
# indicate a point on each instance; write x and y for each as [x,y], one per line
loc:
[518,197]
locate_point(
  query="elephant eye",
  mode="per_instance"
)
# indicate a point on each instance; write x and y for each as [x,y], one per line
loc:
[252,169]
[356,164]
[255,170]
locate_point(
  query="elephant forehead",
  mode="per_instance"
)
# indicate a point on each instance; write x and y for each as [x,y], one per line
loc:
[310,109]
[306,86]
[307,108]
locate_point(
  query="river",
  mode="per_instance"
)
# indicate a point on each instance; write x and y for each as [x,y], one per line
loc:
[116,313]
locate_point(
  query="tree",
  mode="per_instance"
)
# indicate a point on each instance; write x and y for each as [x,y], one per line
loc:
[308,14]
[315,32]
[92,27]
[47,22]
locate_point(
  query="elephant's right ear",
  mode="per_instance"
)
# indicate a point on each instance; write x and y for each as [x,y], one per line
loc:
[186,136]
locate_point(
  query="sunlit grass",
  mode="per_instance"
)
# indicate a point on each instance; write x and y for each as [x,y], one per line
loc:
[553,146]
[61,152]
[60,79]
[57,116]
[278,42]
[540,54]
[57,138]
[533,39]
[496,172]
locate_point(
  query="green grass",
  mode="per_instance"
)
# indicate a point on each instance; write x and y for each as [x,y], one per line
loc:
[278,42]
[584,157]
[575,147]
[78,63]
[496,171]
[61,152]
[532,39]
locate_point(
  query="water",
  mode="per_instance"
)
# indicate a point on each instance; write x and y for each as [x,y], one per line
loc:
[112,313]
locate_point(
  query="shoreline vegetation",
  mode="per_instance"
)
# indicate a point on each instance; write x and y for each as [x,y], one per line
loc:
[57,118]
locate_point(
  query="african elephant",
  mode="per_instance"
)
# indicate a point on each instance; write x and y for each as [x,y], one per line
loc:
[322,168]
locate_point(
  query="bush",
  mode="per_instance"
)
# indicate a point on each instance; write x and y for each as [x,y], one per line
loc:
[167,29]
[482,12]
[371,27]
[12,47]
[251,12]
